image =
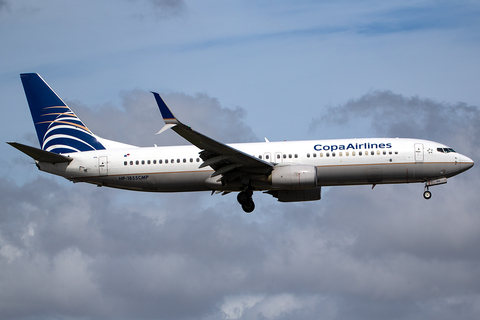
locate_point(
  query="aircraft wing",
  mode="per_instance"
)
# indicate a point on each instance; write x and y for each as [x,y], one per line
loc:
[225,160]
[40,155]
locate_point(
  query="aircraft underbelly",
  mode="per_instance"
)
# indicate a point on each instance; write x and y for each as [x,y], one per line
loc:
[334,175]
[154,182]
[370,174]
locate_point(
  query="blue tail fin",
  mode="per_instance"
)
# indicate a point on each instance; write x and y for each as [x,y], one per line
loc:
[59,130]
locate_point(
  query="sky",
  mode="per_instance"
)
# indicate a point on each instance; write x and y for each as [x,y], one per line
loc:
[240,71]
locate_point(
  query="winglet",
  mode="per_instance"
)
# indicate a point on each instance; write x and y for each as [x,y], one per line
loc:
[167,115]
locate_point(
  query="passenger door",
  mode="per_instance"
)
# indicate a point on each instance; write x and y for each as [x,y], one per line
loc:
[418,152]
[103,166]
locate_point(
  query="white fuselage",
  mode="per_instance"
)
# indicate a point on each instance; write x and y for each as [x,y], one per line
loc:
[338,162]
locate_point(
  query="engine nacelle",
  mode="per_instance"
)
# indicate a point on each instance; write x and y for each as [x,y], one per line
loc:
[311,194]
[294,177]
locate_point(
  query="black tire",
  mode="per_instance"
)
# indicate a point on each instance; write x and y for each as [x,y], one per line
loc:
[427,195]
[244,197]
[249,206]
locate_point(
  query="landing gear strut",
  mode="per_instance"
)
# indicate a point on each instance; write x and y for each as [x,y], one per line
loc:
[245,199]
[427,194]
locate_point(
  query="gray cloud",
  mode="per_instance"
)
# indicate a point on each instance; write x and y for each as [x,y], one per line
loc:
[395,115]
[4,5]
[166,8]
[138,119]
[77,251]
[170,4]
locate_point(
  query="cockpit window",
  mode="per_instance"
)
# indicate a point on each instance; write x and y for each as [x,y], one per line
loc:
[445,150]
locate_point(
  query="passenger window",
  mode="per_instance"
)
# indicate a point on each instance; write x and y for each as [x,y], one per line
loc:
[389,152]
[160,161]
[340,153]
[191,159]
[290,156]
[148,161]
[154,161]
[178,160]
[347,153]
[359,153]
[296,155]
[308,155]
[137,162]
[314,155]
[333,154]
[267,157]
[184,160]
[260,157]
[384,152]
[366,153]
[328,154]
[378,152]
[125,163]
[278,156]
[166,160]
[284,156]
[198,159]
[321,154]
[131,163]
[172,161]
[396,152]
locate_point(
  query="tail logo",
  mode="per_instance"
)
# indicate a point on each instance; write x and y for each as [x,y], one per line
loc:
[59,130]
[65,132]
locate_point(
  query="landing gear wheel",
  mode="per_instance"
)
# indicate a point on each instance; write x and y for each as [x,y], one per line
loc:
[427,194]
[245,199]
[249,206]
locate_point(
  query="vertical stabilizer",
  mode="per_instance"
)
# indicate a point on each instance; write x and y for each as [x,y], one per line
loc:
[59,130]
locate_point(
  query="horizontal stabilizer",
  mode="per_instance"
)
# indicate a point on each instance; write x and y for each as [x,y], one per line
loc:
[40,155]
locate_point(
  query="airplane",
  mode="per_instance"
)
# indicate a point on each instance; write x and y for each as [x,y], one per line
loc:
[289,171]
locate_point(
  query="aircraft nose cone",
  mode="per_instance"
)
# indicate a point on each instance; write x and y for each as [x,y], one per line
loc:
[466,162]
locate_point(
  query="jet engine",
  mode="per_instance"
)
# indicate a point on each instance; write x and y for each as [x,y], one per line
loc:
[294,177]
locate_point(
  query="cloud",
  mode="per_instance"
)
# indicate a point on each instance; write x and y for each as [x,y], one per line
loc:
[166,8]
[78,251]
[394,115]
[4,5]
[138,119]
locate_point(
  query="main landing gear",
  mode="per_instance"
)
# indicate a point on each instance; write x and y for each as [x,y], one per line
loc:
[245,199]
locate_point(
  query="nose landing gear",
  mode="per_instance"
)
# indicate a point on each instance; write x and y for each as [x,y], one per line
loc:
[427,194]
[245,199]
